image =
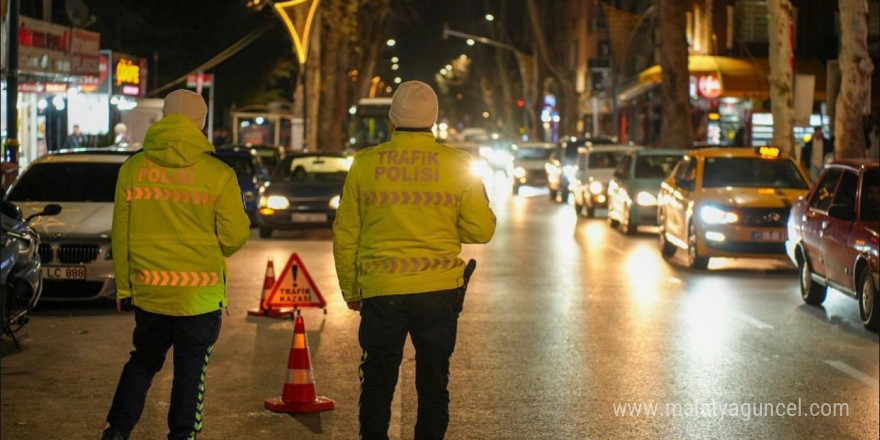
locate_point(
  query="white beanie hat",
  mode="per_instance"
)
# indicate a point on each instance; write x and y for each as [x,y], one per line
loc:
[414,105]
[187,103]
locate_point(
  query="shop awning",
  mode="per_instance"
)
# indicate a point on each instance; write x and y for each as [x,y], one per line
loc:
[739,77]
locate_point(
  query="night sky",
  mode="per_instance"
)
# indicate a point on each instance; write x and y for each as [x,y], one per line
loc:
[184,34]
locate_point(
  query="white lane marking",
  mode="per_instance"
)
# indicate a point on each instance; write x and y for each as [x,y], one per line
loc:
[761,325]
[394,427]
[396,423]
[872,382]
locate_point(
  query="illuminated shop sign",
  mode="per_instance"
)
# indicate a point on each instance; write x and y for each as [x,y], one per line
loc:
[709,86]
[129,75]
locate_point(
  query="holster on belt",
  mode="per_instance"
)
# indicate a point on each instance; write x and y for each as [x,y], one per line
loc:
[462,291]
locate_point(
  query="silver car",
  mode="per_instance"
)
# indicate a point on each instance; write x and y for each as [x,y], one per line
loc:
[75,245]
[593,170]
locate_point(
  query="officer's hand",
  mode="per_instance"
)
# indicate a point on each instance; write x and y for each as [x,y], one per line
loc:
[354,306]
[119,306]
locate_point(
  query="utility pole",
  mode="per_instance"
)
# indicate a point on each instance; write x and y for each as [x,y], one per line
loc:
[12,144]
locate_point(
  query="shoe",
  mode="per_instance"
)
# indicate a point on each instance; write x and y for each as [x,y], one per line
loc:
[112,434]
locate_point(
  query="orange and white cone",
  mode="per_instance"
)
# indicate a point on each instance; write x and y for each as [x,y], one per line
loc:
[268,284]
[298,394]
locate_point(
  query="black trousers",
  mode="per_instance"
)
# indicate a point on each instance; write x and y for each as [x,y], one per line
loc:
[193,338]
[430,319]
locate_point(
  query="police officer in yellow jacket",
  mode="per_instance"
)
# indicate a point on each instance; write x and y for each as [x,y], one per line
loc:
[178,212]
[406,208]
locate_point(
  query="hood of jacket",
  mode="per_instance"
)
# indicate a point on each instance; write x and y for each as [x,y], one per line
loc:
[176,142]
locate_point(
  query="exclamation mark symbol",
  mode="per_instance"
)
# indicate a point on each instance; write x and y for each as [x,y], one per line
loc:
[295,269]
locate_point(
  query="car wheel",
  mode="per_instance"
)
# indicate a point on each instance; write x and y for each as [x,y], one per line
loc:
[695,260]
[667,249]
[868,300]
[626,225]
[265,232]
[611,221]
[812,292]
[563,195]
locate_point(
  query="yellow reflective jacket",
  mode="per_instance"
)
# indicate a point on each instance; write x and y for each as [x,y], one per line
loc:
[178,212]
[406,208]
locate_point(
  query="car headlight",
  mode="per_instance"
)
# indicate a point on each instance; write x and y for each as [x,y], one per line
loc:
[519,172]
[715,216]
[276,202]
[334,202]
[479,168]
[644,198]
[596,187]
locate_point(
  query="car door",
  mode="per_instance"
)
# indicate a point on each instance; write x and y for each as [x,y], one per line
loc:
[836,230]
[817,216]
[680,198]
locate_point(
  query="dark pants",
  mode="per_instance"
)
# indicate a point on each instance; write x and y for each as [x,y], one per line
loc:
[193,339]
[430,319]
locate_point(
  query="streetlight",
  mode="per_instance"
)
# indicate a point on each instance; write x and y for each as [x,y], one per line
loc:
[391,42]
[490,17]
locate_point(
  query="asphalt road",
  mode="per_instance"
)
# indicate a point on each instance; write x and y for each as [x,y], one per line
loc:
[566,323]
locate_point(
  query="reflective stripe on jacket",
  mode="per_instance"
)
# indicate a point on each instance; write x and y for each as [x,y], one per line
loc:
[406,208]
[178,212]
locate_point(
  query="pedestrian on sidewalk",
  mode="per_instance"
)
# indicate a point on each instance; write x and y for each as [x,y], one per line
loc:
[75,139]
[178,212]
[407,206]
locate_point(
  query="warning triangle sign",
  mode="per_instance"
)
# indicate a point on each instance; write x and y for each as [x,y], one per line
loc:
[295,288]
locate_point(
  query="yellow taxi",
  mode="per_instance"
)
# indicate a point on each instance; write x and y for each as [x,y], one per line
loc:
[729,202]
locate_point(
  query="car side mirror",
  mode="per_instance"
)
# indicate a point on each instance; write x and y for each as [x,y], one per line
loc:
[684,184]
[50,209]
[842,212]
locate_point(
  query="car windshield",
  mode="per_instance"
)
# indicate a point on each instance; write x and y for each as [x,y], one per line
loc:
[67,182]
[268,157]
[533,153]
[871,196]
[314,168]
[752,172]
[604,159]
[655,167]
[243,165]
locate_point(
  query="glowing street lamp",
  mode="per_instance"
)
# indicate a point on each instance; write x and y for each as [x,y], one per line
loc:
[490,17]
[391,42]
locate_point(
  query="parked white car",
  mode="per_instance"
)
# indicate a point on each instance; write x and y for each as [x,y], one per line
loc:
[593,170]
[74,245]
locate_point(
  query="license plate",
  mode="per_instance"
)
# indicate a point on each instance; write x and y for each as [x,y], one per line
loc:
[769,236]
[309,218]
[64,272]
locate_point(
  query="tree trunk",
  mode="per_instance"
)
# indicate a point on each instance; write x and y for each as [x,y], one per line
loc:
[502,65]
[675,131]
[312,89]
[566,97]
[855,79]
[331,28]
[781,76]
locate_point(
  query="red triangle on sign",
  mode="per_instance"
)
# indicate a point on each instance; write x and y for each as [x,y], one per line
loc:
[294,288]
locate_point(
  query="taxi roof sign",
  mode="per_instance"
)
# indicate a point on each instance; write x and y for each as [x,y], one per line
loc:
[768,151]
[294,288]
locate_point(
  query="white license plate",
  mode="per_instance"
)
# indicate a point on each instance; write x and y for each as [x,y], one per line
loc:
[769,236]
[309,218]
[64,272]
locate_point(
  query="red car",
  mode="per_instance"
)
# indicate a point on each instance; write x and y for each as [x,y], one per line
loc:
[833,236]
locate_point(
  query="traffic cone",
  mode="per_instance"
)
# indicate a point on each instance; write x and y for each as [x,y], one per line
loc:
[268,283]
[298,394]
